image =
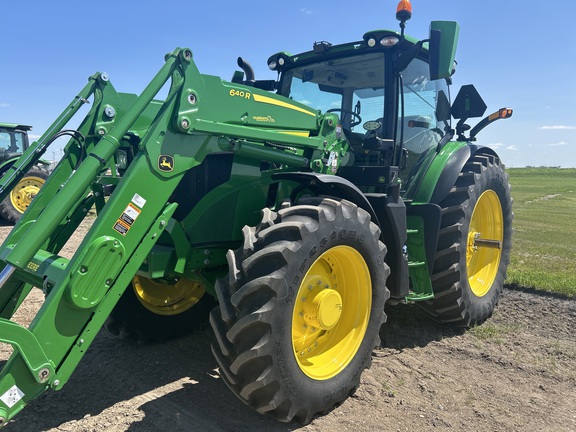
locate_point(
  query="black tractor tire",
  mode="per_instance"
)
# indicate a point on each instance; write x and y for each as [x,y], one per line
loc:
[132,321]
[15,204]
[466,284]
[292,258]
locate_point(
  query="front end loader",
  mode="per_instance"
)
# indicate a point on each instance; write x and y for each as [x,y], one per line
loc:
[286,212]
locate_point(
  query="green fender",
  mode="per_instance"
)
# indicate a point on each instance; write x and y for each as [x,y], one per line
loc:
[444,170]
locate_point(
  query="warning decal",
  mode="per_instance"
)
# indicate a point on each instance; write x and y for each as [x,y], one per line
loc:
[121,227]
[130,214]
[127,218]
[12,396]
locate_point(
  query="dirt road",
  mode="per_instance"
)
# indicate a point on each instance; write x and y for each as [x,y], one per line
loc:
[516,372]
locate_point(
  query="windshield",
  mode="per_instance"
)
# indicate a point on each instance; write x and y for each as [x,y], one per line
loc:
[11,141]
[353,87]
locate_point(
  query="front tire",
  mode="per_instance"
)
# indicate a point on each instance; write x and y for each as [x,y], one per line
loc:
[474,244]
[21,196]
[301,309]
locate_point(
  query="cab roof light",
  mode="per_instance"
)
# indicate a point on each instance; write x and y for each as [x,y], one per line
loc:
[382,37]
[403,13]
[404,10]
[389,41]
[277,61]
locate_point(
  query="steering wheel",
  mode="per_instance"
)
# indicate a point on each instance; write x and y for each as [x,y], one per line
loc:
[355,119]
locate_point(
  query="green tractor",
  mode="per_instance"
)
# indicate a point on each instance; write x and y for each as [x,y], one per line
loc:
[287,212]
[13,142]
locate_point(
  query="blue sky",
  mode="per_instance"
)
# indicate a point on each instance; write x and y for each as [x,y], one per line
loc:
[518,54]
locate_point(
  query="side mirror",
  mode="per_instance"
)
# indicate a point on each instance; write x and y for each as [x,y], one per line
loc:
[442,48]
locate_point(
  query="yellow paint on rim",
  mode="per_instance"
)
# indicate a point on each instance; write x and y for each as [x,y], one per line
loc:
[272,101]
[482,263]
[166,299]
[331,312]
[25,191]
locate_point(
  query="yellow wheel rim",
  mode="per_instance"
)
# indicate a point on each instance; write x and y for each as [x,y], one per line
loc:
[166,299]
[484,248]
[331,313]
[24,192]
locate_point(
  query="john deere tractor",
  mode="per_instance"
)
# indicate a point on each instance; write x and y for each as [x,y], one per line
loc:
[287,212]
[13,142]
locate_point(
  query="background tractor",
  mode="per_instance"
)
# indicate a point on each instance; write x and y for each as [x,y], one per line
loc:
[288,212]
[13,142]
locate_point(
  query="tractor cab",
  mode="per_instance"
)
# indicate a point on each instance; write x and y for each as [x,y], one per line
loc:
[389,118]
[13,140]
[390,92]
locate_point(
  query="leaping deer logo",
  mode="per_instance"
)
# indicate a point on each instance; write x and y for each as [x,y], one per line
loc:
[165,163]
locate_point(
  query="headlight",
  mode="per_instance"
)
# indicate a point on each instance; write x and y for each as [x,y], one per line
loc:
[122,159]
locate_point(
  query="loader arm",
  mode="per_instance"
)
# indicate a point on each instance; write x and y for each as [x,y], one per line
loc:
[81,292]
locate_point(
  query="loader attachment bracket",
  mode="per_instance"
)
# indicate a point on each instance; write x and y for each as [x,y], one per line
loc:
[29,348]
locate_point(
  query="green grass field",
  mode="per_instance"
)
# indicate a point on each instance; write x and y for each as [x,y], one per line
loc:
[544,229]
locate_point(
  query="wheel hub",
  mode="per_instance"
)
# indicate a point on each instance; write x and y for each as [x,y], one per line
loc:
[476,241]
[324,310]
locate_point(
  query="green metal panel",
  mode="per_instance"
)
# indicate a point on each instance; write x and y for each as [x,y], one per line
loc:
[418,265]
[100,265]
[430,177]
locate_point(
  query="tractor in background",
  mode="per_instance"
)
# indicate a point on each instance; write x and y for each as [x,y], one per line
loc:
[14,142]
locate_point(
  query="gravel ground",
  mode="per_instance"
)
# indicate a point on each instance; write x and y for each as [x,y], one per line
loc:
[516,372]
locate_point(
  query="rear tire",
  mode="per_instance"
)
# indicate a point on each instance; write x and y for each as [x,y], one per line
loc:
[301,309]
[468,278]
[145,314]
[20,197]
